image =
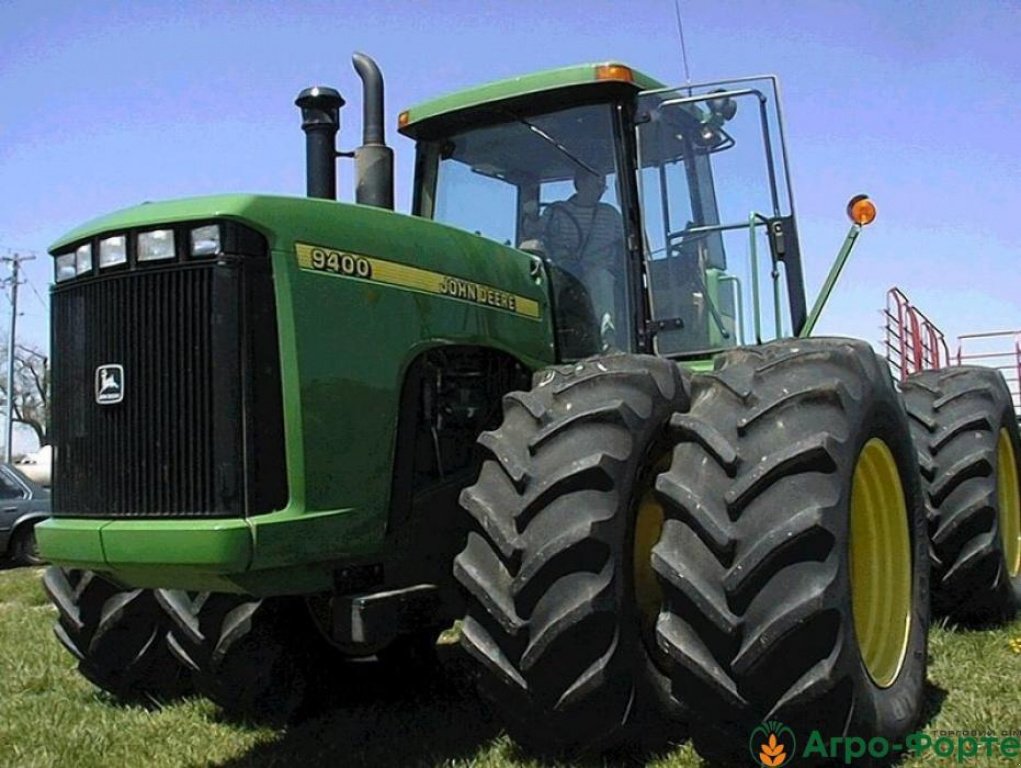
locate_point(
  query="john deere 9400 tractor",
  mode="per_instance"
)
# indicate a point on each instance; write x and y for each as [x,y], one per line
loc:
[570,401]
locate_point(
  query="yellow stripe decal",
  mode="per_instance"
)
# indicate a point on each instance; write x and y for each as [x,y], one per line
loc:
[343,264]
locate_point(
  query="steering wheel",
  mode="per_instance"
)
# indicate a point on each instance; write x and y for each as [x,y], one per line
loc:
[559,209]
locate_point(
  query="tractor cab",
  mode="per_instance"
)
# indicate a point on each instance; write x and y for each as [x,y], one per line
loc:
[658,213]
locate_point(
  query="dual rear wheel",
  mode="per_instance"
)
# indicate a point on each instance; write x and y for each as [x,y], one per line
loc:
[748,546]
[969,458]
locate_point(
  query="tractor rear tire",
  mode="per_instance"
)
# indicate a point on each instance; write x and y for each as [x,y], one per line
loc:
[969,455]
[550,566]
[258,660]
[117,635]
[783,607]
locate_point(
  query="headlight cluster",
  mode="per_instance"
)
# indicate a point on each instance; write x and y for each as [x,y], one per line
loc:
[205,241]
[157,245]
[78,262]
[154,245]
[113,251]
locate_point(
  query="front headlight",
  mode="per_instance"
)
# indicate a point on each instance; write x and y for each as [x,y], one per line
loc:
[65,267]
[205,241]
[113,251]
[156,245]
[83,259]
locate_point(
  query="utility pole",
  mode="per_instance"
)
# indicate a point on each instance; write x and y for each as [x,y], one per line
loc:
[15,262]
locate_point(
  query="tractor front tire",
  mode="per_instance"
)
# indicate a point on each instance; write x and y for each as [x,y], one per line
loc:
[969,456]
[117,635]
[794,556]
[259,660]
[553,566]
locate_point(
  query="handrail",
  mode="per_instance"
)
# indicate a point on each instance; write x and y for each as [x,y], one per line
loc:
[736,287]
[708,229]
[753,268]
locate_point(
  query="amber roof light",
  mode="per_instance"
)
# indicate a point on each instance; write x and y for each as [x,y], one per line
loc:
[615,72]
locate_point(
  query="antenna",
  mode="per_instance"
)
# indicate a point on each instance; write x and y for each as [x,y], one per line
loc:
[684,49]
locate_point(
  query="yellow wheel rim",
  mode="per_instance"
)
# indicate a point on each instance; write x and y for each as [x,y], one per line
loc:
[880,562]
[648,529]
[1010,503]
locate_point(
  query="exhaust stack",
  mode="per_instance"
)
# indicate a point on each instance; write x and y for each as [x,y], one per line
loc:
[320,120]
[374,160]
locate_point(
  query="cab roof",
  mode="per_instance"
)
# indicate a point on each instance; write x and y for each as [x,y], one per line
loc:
[606,77]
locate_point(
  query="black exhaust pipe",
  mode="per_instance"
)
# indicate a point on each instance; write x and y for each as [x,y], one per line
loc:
[374,160]
[320,120]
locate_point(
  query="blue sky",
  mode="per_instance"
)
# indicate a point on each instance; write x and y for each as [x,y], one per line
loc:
[104,105]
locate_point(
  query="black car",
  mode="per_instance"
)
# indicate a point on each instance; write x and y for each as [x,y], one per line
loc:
[23,503]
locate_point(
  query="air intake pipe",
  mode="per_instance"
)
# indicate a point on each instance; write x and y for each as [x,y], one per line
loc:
[320,120]
[374,160]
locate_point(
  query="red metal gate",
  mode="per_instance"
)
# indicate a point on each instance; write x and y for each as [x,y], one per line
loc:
[913,342]
[995,349]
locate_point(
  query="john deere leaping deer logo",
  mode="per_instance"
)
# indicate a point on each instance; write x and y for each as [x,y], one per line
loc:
[109,384]
[772,743]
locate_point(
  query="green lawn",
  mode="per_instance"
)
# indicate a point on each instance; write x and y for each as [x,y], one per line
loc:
[49,716]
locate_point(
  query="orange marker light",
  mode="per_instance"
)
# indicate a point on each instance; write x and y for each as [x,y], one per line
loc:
[861,210]
[403,118]
[615,72]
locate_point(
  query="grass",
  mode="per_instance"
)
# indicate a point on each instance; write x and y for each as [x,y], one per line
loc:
[50,716]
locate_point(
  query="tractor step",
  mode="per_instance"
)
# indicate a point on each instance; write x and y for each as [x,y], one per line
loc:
[375,619]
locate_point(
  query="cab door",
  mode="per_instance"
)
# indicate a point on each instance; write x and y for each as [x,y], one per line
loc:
[720,246]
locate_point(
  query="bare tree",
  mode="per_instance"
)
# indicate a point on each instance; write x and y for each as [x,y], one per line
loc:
[31,390]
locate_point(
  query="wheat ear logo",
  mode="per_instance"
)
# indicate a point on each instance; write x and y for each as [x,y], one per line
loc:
[772,743]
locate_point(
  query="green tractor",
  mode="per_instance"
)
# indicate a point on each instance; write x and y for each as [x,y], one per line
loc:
[570,401]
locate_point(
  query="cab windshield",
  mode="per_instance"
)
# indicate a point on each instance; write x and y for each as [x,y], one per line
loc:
[547,184]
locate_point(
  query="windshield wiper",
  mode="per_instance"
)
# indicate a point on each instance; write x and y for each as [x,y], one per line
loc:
[549,139]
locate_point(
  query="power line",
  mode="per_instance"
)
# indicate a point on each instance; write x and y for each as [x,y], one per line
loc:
[30,253]
[12,249]
[15,262]
[35,291]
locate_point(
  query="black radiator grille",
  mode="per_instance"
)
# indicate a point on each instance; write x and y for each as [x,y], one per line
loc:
[199,431]
[154,453]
